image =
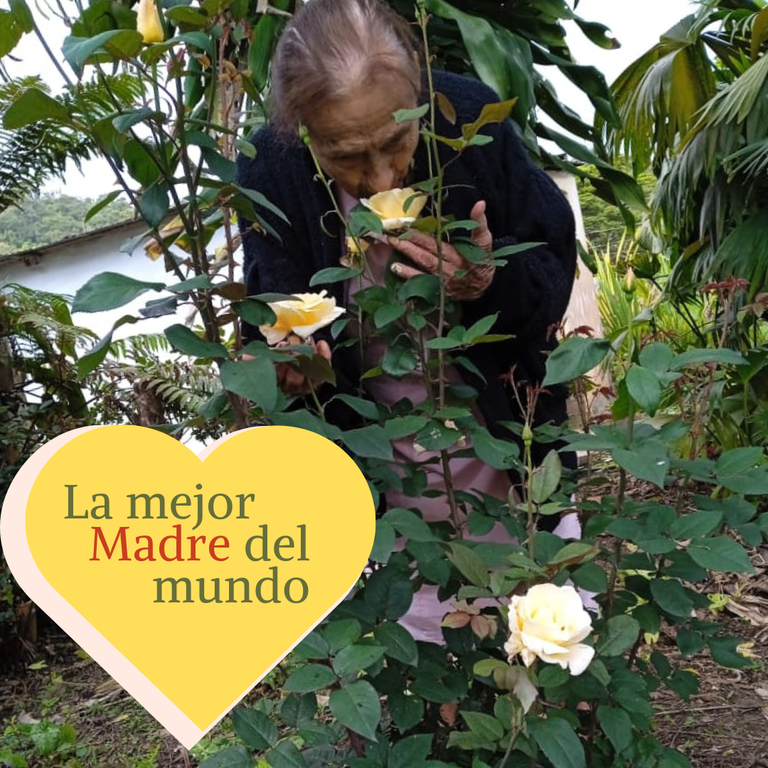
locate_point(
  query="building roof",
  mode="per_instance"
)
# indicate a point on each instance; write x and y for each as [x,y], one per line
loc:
[92,234]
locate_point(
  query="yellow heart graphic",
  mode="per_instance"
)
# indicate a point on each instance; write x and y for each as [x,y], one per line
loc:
[188,580]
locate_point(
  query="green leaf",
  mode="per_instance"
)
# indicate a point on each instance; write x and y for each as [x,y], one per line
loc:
[10,32]
[591,577]
[190,343]
[696,524]
[230,757]
[484,726]
[121,43]
[648,461]
[102,204]
[409,524]
[701,356]
[334,275]
[389,593]
[313,646]
[499,454]
[406,710]
[22,15]
[546,478]
[720,554]
[480,328]
[398,642]
[199,282]
[252,379]
[743,470]
[573,358]
[557,740]
[254,728]
[123,123]
[186,15]
[153,204]
[657,357]
[411,752]
[285,755]
[366,408]
[402,426]
[93,358]
[341,633]
[644,388]
[310,678]
[357,707]
[110,290]
[297,710]
[618,635]
[32,106]
[355,658]
[399,361]
[254,312]
[404,115]
[387,314]
[259,199]
[383,543]
[486,667]
[368,442]
[725,652]
[469,563]
[671,597]
[574,552]
[219,166]
[616,726]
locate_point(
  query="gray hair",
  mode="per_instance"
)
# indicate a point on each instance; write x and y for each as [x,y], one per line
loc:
[332,46]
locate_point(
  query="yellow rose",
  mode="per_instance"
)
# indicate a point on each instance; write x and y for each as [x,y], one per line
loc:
[397,208]
[303,316]
[548,623]
[148,22]
[352,246]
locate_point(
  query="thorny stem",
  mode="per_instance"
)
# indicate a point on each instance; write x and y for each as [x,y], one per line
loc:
[343,219]
[436,172]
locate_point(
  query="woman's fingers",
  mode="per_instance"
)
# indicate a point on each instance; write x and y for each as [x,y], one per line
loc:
[481,235]
[424,258]
[323,349]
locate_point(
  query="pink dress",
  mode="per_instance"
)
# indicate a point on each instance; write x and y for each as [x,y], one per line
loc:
[469,474]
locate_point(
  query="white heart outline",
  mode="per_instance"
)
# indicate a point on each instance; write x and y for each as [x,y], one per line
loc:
[18,555]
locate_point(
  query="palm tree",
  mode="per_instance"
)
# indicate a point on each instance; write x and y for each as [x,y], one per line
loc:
[695,108]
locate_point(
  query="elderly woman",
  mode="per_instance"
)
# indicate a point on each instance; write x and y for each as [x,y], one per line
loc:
[342,68]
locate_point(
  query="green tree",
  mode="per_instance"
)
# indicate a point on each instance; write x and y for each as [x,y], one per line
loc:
[38,221]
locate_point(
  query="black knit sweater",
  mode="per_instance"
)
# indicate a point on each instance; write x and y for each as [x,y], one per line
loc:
[530,294]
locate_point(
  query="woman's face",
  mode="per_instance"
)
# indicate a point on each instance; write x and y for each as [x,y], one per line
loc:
[357,141]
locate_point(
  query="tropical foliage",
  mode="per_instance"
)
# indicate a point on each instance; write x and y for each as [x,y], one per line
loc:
[694,109]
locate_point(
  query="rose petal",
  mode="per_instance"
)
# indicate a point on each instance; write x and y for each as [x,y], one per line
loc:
[580,658]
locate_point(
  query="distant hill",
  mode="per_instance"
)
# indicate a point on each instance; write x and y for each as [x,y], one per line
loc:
[47,219]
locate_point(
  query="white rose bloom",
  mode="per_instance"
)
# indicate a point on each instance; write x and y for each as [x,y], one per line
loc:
[549,623]
[397,208]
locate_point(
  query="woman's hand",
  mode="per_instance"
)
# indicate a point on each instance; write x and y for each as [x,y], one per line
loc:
[290,380]
[422,250]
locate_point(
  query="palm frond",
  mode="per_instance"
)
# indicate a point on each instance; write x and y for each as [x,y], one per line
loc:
[660,93]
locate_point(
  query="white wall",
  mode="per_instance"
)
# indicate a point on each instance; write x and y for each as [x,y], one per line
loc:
[66,267]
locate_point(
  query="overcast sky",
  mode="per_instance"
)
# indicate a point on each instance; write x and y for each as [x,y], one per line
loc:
[637,24]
